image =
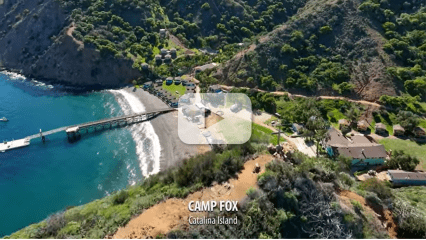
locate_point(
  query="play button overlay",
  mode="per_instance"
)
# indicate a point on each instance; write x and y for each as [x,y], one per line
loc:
[214,118]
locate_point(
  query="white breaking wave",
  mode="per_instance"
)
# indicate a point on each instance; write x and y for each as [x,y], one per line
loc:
[149,160]
[14,76]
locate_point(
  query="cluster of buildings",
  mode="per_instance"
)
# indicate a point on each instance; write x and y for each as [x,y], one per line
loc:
[156,88]
[362,150]
[165,56]
[380,128]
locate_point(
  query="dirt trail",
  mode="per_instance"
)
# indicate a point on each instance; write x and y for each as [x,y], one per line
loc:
[385,216]
[279,93]
[171,213]
[69,33]
[176,41]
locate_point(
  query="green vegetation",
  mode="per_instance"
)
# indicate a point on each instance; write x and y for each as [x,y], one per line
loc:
[173,88]
[403,161]
[262,132]
[102,217]
[290,203]
[413,148]
[410,211]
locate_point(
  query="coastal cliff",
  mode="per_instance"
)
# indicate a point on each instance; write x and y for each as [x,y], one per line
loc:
[36,39]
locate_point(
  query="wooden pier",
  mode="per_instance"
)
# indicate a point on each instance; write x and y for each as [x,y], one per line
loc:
[9,145]
[74,132]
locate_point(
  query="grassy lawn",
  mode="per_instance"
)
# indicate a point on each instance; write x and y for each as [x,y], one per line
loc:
[173,88]
[262,131]
[334,116]
[409,147]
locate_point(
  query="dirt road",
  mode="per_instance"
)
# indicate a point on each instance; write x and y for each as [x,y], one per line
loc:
[280,93]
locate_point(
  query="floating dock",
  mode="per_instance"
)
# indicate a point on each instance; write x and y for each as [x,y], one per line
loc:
[9,145]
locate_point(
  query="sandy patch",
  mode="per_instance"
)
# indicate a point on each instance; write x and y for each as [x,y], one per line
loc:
[171,213]
[212,119]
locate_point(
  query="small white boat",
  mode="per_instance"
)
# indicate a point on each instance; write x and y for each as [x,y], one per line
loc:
[3,119]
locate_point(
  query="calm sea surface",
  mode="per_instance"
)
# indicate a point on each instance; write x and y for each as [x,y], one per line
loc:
[41,179]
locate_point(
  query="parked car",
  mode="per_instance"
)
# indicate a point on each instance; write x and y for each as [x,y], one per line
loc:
[177,82]
[174,104]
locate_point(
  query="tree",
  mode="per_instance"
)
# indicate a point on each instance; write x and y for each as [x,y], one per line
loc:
[407,120]
[318,128]
[353,115]
[205,6]
[416,86]
[400,160]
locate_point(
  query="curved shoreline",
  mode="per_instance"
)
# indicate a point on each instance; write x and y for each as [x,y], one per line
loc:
[173,150]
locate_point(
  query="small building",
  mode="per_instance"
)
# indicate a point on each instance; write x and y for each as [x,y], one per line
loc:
[190,89]
[177,81]
[364,155]
[362,125]
[380,128]
[168,59]
[215,89]
[404,178]
[343,123]
[205,67]
[163,52]
[158,59]
[169,80]
[163,33]
[419,132]
[159,82]
[362,151]
[398,130]
[145,66]
[173,52]
[297,128]
[147,85]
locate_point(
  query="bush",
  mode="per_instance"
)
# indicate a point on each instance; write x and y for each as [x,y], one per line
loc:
[411,223]
[120,197]
[357,205]
[374,201]
[205,6]
[374,185]
[400,160]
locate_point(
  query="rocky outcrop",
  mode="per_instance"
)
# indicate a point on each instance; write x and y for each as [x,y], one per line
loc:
[35,40]
[70,61]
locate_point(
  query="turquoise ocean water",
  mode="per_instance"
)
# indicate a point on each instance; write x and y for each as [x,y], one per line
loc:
[41,179]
